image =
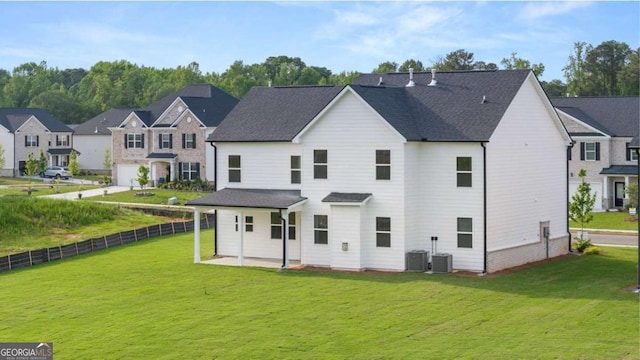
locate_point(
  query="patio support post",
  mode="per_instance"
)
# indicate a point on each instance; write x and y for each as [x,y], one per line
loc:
[172,171]
[196,238]
[605,193]
[241,243]
[626,194]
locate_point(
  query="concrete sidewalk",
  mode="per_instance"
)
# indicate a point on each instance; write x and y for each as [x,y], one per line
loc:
[87,193]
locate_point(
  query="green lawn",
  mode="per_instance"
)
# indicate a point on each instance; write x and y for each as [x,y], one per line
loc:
[148,300]
[160,196]
[40,189]
[615,220]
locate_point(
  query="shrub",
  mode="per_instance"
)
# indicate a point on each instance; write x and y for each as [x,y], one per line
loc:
[581,244]
[591,250]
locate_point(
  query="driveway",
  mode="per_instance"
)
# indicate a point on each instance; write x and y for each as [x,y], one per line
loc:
[87,193]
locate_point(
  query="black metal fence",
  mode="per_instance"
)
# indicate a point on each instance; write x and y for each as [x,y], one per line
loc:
[34,257]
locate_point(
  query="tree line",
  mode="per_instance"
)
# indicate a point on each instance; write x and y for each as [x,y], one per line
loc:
[75,95]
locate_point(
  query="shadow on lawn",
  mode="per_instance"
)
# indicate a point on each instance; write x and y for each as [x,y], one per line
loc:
[592,277]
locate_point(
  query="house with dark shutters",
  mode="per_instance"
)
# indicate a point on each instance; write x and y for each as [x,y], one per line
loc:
[168,136]
[471,164]
[24,131]
[603,129]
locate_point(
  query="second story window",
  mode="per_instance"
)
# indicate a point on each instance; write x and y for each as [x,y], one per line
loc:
[320,164]
[31,141]
[165,141]
[234,168]
[134,141]
[296,174]
[463,171]
[590,151]
[62,140]
[188,141]
[383,164]
[632,154]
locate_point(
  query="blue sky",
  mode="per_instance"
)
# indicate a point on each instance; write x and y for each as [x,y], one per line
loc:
[353,36]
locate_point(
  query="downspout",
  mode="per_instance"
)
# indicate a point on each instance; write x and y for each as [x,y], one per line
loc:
[484,202]
[637,291]
[567,198]
[284,240]
[215,188]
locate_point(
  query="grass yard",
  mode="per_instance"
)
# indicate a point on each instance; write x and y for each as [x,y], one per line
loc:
[614,220]
[40,189]
[161,196]
[148,300]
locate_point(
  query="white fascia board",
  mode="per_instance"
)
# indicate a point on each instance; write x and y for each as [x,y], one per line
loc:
[583,123]
[178,99]
[549,107]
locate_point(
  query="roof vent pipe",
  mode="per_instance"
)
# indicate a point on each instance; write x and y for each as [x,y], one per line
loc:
[433,78]
[410,83]
[269,83]
[380,82]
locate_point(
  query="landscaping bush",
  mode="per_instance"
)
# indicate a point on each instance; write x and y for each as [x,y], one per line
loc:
[591,250]
[582,244]
[188,185]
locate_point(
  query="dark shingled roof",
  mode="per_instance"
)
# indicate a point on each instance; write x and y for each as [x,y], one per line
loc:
[620,170]
[103,121]
[352,198]
[161,156]
[635,143]
[453,110]
[62,151]
[13,118]
[274,113]
[614,116]
[250,198]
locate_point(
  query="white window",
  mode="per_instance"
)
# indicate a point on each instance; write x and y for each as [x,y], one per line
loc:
[320,164]
[320,229]
[383,164]
[166,141]
[234,168]
[383,232]
[188,141]
[465,232]
[248,223]
[276,226]
[31,140]
[134,141]
[590,151]
[463,169]
[189,170]
[296,174]
[292,226]
[62,140]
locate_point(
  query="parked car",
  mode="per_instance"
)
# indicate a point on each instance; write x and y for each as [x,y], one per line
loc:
[56,172]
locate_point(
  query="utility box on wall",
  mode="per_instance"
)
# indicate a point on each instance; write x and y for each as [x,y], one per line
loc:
[442,263]
[417,260]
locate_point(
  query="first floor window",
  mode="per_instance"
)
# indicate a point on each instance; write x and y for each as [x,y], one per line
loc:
[320,229]
[296,175]
[248,223]
[292,226]
[276,226]
[236,223]
[31,140]
[134,141]
[383,232]
[234,168]
[320,164]
[465,230]
[463,171]
[189,170]
[383,164]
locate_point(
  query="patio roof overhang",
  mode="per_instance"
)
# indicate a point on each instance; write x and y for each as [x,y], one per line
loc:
[250,198]
[623,170]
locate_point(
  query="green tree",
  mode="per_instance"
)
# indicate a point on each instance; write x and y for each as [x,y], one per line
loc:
[605,62]
[143,176]
[74,166]
[42,163]
[455,60]
[386,67]
[576,73]
[554,87]
[31,166]
[582,203]
[514,62]
[632,193]
[416,65]
[106,163]
[2,160]
[629,76]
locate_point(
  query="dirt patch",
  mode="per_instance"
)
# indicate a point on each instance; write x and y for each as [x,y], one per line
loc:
[631,219]
[630,288]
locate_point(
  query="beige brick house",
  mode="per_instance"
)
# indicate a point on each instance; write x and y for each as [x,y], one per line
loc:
[169,136]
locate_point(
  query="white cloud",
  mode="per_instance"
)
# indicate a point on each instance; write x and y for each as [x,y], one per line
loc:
[537,10]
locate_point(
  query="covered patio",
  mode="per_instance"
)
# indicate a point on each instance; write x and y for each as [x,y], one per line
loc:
[239,201]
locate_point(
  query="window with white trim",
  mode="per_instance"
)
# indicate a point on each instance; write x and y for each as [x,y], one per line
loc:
[296,173]
[189,170]
[188,141]
[320,164]
[166,141]
[234,168]
[134,141]
[292,226]
[248,223]
[590,151]
[465,232]
[276,226]
[320,229]
[463,171]
[62,140]
[383,232]
[383,164]
[31,140]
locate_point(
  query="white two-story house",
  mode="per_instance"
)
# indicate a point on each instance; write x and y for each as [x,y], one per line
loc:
[29,130]
[602,128]
[168,136]
[471,164]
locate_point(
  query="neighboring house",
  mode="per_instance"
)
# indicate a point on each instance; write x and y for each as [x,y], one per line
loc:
[168,136]
[602,128]
[357,176]
[93,138]
[24,131]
